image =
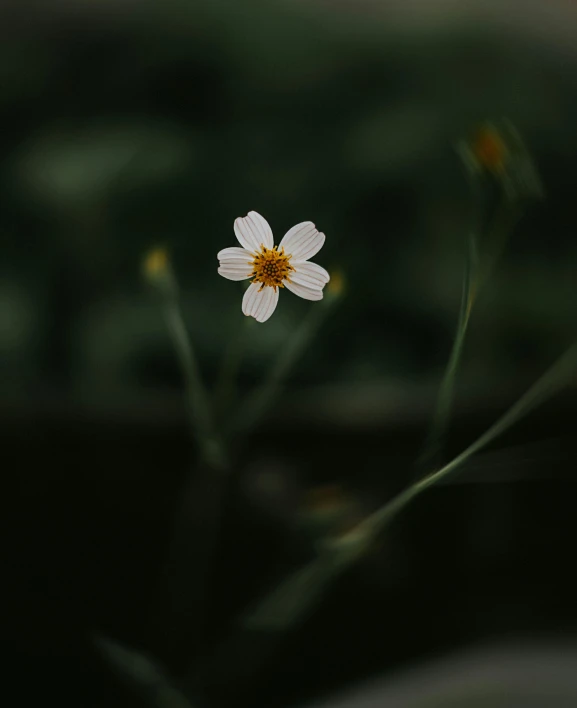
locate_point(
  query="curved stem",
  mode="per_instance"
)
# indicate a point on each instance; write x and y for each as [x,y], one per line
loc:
[548,384]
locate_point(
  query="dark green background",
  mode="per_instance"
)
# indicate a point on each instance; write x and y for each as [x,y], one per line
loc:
[129,124]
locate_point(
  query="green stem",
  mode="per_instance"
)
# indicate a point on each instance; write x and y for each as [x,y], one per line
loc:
[476,274]
[445,396]
[508,214]
[226,382]
[197,400]
[259,402]
[197,519]
[546,386]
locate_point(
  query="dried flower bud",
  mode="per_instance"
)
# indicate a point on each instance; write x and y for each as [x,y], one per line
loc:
[497,150]
[489,149]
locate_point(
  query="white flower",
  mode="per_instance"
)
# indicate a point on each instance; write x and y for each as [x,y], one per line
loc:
[272,267]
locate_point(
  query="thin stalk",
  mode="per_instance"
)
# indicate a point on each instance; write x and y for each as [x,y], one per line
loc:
[197,518]
[229,368]
[477,271]
[444,402]
[546,386]
[200,413]
[259,402]
[508,214]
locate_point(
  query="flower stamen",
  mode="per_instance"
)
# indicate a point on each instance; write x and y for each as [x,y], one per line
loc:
[271,267]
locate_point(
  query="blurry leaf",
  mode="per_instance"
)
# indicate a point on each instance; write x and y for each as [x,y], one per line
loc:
[295,596]
[290,600]
[143,673]
[66,166]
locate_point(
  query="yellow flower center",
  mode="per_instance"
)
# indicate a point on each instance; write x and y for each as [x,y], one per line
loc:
[271,267]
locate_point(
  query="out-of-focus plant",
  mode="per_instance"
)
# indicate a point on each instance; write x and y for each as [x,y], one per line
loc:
[216,428]
[157,270]
[504,180]
[69,166]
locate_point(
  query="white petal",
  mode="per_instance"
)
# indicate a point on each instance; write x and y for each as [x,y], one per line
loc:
[253,231]
[303,291]
[234,272]
[258,303]
[235,255]
[235,263]
[309,274]
[303,241]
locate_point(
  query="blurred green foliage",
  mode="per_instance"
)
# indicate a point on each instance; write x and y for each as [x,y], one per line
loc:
[131,124]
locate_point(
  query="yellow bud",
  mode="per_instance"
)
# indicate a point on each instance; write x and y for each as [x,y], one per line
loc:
[337,284]
[155,264]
